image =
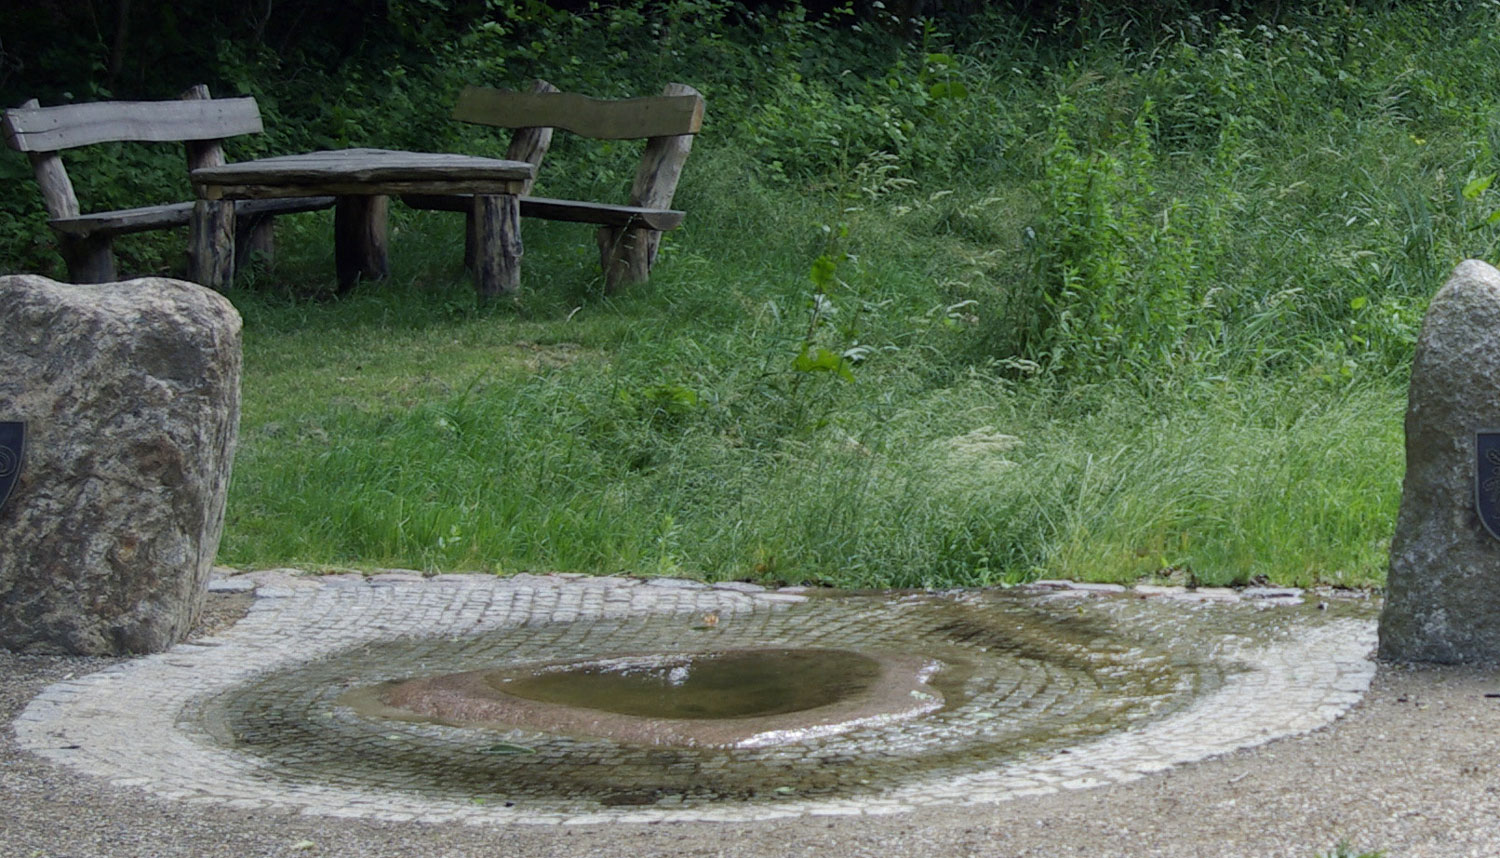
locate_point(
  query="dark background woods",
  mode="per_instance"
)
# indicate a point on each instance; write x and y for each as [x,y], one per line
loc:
[51,49]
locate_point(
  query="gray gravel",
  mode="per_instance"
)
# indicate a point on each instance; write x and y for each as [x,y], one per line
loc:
[1412,770]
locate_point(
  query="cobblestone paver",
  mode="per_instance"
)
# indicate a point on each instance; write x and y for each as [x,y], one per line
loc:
[1048,688]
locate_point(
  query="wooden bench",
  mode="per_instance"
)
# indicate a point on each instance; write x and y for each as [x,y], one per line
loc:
[201,122]
[629,234]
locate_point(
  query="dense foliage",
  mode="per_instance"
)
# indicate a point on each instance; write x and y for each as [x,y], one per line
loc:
[1147,153]
[1181,254]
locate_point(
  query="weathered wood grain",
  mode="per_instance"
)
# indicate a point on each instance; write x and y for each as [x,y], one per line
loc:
[146,218]
[253,236]
[601,213]
[203,153]
[615,119]
[573,211]
[196,119]
[211,244]
[341,170]
[126,221]
[496,223]
[90,258]
[260,208]
[661,164]
[352,188]
[530,143]
[361,179]
[218,246]
[51,129]
[51,176]
[360,249]
[627,253]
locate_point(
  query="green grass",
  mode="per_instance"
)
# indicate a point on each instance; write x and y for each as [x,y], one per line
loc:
[1116,304]
[403,427]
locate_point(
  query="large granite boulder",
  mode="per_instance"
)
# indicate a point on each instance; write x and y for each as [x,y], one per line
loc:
[130,396]
[1443,594]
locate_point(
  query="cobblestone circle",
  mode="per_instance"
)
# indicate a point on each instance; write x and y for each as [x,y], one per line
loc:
[1050,687]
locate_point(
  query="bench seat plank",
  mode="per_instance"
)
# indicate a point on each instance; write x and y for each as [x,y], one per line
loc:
[147,218]
[600,214]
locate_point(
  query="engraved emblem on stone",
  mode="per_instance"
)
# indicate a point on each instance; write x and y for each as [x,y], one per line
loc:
[12,446]
[1487,479]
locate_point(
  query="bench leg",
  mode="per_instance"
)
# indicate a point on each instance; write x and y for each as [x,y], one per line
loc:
[496,220]
[255,238]
[626,255]
[360,248]
[211,244]
[471,241]
[90,258]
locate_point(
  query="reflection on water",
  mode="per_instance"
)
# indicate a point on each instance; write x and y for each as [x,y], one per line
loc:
[735,684]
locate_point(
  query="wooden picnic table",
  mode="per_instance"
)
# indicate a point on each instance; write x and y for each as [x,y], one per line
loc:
[361,180]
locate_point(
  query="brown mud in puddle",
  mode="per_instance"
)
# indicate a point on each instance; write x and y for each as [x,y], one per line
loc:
[1017,674]
[736,698]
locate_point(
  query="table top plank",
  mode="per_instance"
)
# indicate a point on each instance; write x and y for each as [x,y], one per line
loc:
[359,188]
[355,167]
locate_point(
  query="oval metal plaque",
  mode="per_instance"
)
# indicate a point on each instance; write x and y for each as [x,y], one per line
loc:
[1487,479]
[12,451]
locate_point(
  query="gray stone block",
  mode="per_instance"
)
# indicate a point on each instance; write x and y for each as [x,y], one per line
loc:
[130,393]
[1443,592]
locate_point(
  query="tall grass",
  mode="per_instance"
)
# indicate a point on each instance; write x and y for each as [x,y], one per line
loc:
[665,431]
[1114,303]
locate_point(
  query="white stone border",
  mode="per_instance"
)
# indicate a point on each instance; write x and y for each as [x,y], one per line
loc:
[120,723]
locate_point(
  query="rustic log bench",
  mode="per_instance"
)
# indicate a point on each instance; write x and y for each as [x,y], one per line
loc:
[629,234]
[201,122]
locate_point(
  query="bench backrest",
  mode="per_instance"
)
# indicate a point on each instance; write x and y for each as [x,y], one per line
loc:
[618,119]
[195,119]
[667,122]
[51,129]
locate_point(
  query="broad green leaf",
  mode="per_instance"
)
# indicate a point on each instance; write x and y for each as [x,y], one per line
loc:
[822,271]
[1359,303]
[1478,186]
[814,359]
[948,89]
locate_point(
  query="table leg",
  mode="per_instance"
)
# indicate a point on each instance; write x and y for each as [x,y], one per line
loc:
[359,239]
[211,244]
[497,244]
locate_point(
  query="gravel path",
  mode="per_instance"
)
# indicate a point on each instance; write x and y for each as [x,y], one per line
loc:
[1411,770]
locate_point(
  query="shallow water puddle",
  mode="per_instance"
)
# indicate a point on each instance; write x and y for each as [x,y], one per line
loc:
[733,684]
[845,696]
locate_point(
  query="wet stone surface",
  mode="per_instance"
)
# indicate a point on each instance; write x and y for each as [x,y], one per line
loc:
[1041,689]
